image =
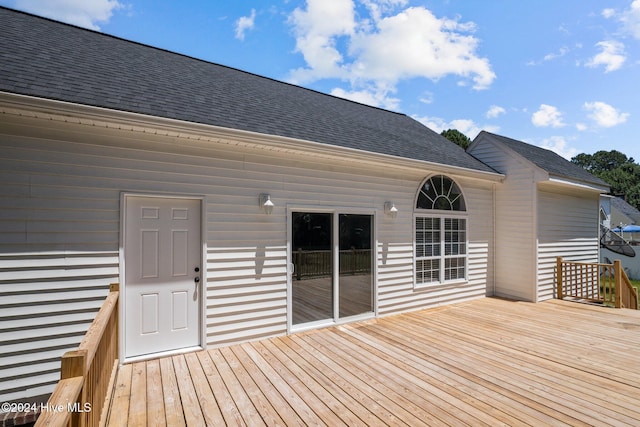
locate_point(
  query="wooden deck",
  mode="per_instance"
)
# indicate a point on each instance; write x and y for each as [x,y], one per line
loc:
[488,362]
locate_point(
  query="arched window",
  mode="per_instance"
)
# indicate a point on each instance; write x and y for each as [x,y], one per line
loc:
[440,233]
[440,193]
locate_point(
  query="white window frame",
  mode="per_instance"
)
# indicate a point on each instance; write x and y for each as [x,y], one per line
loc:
[442,256]
[442,215]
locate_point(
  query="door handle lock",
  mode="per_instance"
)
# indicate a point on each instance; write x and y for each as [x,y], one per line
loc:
[197,278]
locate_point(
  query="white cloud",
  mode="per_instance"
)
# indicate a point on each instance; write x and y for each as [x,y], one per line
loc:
[559,54]
[414,43]
[581,127]
[494,111]
[612,56]
[369,97]
[436,124]
[608,13]
[245,23]
[83,13]
[468,127]
[560,146]
[563,51]
[604,115]
[378,8]
[427,98]
[631,19]
[384,47]
[317,29]
[547,116]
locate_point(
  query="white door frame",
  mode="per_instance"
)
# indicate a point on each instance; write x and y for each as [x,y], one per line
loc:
[335,210]
[202,284]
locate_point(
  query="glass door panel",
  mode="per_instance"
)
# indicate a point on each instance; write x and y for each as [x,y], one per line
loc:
[356,261]
[312,257]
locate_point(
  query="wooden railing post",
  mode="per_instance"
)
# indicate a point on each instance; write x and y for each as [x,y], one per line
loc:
[87,373]
[559,277]
[629,294]
[617,278]
[74,364]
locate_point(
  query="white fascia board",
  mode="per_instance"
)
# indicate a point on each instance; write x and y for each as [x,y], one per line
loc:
[578,184]
[62,111]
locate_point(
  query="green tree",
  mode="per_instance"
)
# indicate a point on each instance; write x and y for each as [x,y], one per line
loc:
[622,173]
[457,137]
[602,161]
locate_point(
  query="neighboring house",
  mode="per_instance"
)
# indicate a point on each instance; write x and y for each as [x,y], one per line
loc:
[546,207]
[622,213]
[616,214]
[605,211]
[233,207]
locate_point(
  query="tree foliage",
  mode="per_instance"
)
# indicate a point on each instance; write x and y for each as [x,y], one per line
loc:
[602,161]
[457,137]
[622,173]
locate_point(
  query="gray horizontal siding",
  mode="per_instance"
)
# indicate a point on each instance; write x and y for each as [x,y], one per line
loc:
[568,227]
[515,222]
[60,232]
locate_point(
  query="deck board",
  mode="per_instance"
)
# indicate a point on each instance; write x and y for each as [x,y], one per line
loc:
[223,398]
[138,402]
[204,395]
[172,404]
[155,396]
[121,397]
[486,362]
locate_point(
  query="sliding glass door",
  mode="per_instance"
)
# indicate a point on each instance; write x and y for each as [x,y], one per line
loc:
[312,256]
[332,260]
[356,261]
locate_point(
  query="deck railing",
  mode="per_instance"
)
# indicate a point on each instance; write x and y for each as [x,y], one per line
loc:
[313,264]
[86,374]
[603,283]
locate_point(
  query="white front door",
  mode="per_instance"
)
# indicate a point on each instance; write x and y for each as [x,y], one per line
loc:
[162,250]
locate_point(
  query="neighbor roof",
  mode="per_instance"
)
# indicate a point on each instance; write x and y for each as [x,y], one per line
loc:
[49,59]
[547,160]
[628,210]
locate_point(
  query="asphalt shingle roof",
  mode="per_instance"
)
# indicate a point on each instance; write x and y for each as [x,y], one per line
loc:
[49,59]
[547,160]
[626,209]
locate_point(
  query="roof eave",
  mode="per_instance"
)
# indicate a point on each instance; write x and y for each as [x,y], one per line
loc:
[584,185]
[91,115]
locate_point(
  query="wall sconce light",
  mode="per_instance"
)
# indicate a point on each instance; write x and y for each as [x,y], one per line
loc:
[390,209]
[266,205]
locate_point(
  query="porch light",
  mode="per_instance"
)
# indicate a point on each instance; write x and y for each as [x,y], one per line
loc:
[390,209]
[266,205]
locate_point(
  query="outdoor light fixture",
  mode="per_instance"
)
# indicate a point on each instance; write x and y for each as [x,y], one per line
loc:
[266,204]
[390,209]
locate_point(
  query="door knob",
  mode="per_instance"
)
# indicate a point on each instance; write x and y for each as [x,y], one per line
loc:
[196,279]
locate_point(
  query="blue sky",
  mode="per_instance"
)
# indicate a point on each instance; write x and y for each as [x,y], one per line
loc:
[560,74]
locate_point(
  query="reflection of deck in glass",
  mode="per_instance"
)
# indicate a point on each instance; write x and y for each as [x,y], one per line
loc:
[314,298]
[313,284]
[313,264]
